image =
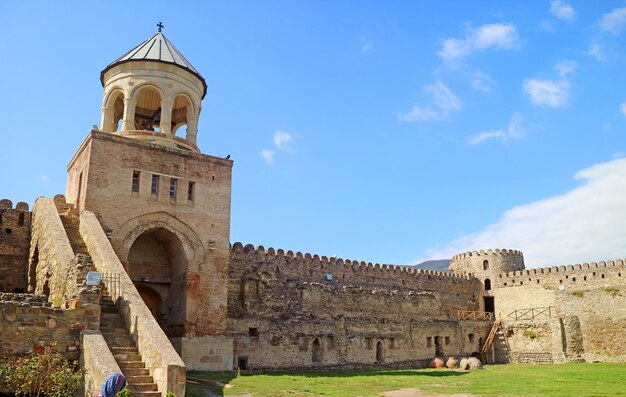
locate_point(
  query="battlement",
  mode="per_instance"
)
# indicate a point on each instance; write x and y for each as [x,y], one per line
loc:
[484,254]
[331,263]
[487,262]
[603,273]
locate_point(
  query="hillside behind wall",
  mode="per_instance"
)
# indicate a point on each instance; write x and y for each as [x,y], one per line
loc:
[293,310]
[14,245]
[588,316]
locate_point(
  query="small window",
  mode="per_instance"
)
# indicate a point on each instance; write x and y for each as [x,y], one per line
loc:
[8,231]
[190,191]
[429,341]
[485,264]
[173,186]
[447,340]
[487,284]
[253,332]
[21,219]
[471,338]
[135,184]
[154,188]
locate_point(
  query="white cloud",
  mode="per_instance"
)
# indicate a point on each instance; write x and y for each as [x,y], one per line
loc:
[282,140]
[551,93]
[267,156]
[514,130]
[622,108]
[582,225]
[595,51]
[562,10]
[483,136]
[482,82]
[367,46]
[548,93]
[44,178]
[502,36]
[614,21]
[565,67]
[443,101]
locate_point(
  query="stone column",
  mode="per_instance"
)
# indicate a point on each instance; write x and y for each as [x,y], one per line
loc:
[192,127]
[166,116]
[106,121]
[128,122]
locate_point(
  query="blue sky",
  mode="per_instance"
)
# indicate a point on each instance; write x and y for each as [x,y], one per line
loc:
[388,132]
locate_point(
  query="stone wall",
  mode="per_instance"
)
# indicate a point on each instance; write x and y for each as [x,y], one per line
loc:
[27,320]
[14,246]
[588,301]
[291,310]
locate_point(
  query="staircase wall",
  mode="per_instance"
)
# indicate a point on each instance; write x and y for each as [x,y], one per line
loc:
[51,255]
[165,365]
[97,360]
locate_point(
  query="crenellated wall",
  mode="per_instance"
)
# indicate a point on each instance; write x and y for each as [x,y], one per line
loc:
[294,310]
[490,261]
[14,245]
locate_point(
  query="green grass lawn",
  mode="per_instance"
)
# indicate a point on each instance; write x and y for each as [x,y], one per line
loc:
[576,379]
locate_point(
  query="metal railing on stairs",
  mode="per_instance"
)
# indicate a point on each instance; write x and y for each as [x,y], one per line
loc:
[111,282]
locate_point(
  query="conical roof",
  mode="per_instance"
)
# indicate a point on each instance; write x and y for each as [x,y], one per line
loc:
[159,49]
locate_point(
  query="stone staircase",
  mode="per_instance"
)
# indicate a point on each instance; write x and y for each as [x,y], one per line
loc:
[122,345]
[70,220]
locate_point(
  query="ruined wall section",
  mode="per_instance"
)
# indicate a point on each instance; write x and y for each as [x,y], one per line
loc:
[28,320]
[588,299]
[14,245]
[293,310]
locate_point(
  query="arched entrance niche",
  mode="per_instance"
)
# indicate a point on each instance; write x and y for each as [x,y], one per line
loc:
[148,109]
[163,255]
[157,265]
[380,353]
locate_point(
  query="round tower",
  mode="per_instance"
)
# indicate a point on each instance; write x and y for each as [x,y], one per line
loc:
[151,93]
[478,263]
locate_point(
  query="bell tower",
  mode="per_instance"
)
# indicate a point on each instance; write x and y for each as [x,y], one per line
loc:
[164,205]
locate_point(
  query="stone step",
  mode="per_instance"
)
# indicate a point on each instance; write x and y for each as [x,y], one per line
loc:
[127,356]
[142,387]
[133,379]
[119,340]
[146,394]
[136,372]
[131,364]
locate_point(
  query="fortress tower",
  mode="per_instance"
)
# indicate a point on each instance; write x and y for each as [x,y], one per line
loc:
[164,205]
[486,266]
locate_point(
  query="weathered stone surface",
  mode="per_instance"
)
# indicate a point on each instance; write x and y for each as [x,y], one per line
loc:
[470,363]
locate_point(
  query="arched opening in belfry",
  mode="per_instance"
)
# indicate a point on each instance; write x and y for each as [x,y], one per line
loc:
[157,265]
[487,284]
[181,110]
[317,353]
[148,110]
[115,112]
[380,352]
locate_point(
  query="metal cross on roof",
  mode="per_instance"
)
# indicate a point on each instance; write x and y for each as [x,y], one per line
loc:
[160,25]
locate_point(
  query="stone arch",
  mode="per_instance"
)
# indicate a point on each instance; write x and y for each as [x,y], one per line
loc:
[148,98]
[177,239]
[113,109]
[380,352]
[183,108]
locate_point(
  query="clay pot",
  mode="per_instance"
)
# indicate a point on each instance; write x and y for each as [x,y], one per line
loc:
[437,362]
[452,362]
